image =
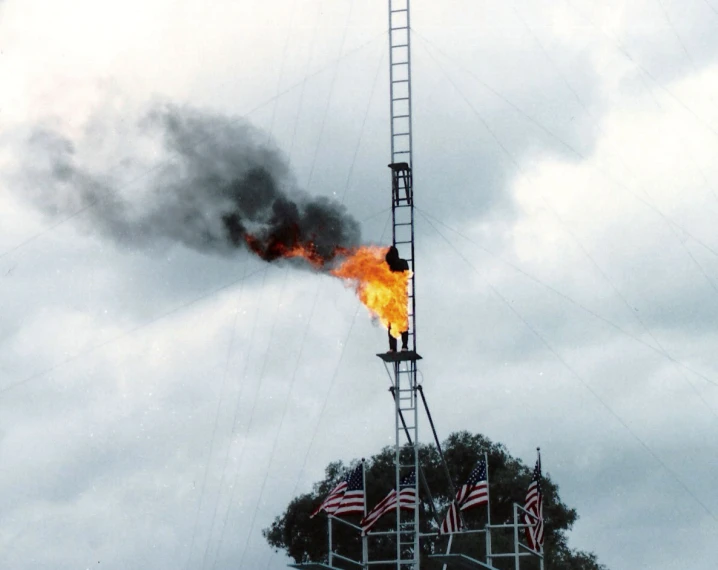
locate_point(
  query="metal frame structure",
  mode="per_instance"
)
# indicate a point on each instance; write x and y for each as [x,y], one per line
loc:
[402,366]
[404,383]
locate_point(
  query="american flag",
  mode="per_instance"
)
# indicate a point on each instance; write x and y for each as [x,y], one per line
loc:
[406,500]
[473,493]
[452,522]
[534,505]
[353,499]
[336,496]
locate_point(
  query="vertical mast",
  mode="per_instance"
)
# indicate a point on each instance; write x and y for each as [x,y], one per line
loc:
[402,210]
[401,142]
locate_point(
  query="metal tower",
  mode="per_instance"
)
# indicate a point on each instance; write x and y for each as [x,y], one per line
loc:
[402,366]
[404,384]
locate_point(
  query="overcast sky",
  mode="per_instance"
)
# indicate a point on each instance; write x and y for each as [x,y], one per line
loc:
[161,403]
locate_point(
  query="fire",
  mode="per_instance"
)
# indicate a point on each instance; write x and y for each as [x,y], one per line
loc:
[274,249]
[384,292]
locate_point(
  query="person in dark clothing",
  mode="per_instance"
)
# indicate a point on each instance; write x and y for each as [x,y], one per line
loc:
[397,264]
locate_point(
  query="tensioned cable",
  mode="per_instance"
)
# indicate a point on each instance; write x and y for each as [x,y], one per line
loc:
[332,383]
[422,475]
[329,98]
[518,166]
[597,123]
[619,47]
[579,305]
[343,198]
[235,421]
[680,41]
[591,259]
[196,299]
[141,326]
[452,488]
[711,7]
[554,136]
[126,333]
[276,439]
[576,375]
[203,486]
[310,58]
[270,131]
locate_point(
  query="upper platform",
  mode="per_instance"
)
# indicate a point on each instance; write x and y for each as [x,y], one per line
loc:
[402,356]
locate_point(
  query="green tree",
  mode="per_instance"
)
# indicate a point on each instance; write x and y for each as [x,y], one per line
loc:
[305,539]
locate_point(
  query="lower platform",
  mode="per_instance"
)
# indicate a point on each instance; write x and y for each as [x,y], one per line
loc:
[313,566]
[400,356]
[461,561]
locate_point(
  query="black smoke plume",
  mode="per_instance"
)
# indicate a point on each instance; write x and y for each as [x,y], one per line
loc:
[212,183]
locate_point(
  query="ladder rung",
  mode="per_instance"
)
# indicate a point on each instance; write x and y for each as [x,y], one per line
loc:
[400,63]
[402,151]
[400,116]
[400,46]
[401,134]
[403,224]
[399,10]
[399,28]
[401,99]
[400,81]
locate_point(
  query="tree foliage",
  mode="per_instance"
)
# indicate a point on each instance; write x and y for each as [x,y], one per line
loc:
[305,539]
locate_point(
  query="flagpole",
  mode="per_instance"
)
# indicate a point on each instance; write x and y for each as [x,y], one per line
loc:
[365,538]
[329,531]
[448,547]
[516,536]
[540,507]
[488,511]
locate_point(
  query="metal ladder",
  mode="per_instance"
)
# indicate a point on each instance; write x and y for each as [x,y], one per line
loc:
[406,404]
[402,210]
[402,207]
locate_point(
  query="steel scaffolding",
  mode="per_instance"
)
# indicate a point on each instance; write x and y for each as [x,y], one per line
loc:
[402,366]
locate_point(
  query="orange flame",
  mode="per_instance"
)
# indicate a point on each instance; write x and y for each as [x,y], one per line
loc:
[384,292]
[275,250]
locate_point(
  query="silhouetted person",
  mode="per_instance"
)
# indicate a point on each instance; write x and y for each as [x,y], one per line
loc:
[397,264]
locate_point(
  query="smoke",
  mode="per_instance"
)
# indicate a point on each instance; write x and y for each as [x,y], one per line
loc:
[209,182]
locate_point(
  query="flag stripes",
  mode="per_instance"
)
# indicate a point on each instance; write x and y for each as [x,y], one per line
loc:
[347,497]
[473,493]
[451,523]
[534,505]
[406,500]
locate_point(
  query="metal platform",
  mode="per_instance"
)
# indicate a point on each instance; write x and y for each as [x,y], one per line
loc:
[313,566]
[402,356]
[461,561]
